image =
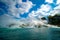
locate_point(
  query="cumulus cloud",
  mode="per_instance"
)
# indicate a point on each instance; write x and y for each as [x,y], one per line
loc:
[17,7]
[42,11]
[24,7]
[55,11]
[57,7]
[9,22]
[49,1]
[36,16]
[45,8]
[58,2]
[6,20]
[33,14]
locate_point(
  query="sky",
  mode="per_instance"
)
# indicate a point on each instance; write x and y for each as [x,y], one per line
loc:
[24,9]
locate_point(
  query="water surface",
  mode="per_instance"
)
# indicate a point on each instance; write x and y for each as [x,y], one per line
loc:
[30,34]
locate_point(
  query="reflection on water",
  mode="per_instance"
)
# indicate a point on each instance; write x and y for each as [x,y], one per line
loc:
[55,33]
[29,34]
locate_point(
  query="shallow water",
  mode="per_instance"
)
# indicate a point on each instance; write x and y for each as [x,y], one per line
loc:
[30,34]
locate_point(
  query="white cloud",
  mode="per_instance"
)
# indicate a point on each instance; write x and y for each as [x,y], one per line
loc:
[45,8]
[41,11]
[6,20]
[33,14]
[49,1]
[24,7]
[55,11]
[58,2]
[57,7]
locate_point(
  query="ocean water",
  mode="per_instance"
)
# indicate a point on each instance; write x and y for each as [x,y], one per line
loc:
[30,34]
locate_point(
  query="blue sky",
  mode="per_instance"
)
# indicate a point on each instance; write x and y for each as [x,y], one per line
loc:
[30,11]
[38,4]
[33,5]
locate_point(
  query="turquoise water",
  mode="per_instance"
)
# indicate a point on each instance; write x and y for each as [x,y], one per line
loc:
[30,34]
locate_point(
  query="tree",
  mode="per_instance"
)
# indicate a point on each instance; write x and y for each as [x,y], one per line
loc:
[54,20]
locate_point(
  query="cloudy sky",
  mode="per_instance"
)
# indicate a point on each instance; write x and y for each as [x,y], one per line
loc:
[22,9]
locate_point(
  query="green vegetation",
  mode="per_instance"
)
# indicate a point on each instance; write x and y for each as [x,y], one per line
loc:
[54,20]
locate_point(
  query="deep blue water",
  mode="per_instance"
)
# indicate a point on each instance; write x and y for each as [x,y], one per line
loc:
[30,34]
